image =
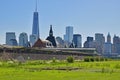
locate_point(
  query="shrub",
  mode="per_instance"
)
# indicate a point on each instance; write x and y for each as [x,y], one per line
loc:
[11,64]
[97,59]
[70,59]
[92,59]
[86,59]
[117,66]
[101,59]
[106,59]
[54,60]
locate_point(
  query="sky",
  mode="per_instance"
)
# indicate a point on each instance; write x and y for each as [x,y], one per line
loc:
[86,16]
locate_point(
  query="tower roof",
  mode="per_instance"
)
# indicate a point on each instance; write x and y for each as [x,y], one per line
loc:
[36,6]
[108,34]
[51,31]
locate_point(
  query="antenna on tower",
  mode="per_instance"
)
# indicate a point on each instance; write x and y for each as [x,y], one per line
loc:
[36,6]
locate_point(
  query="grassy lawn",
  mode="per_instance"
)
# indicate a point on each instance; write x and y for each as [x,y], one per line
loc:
[46,70]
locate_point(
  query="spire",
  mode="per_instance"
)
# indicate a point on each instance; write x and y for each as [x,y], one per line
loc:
[108,33]
[109,38]
[51,31]
[36,6]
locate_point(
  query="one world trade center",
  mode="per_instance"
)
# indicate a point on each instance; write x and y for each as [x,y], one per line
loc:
[35,27]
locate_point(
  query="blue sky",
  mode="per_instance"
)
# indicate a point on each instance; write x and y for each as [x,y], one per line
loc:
[86,16]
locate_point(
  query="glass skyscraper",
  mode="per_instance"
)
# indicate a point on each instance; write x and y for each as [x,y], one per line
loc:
[11,39]
[77,39]
[35,28]
[69,34]
[23,39]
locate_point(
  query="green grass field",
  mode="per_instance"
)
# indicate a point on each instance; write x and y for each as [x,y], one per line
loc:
[60,70]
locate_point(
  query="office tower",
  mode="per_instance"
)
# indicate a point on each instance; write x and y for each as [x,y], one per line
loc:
[35,27]
[23,39]
[107,48]
[51,38]
[108,38]
[68,37]
[11,39]
[108,45]
[100,40]
[77,40]
[33,39]
[89,43]
[89,39]
[116,44]
[14,42]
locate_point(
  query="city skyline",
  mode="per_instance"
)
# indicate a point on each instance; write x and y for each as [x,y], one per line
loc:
[87,17]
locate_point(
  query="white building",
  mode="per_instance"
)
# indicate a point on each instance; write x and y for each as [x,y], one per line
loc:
[23,39]
[69,34]
[10,36]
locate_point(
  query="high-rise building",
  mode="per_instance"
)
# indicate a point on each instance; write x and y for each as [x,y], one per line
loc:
[14,42]
[100,40]
[89,39]
[108,38]
[107,48]
[11,39]
[108,45]
[89,43]
[35,27]
[23,39]
[77,40]
[68,37]
[33,39]
[116,44]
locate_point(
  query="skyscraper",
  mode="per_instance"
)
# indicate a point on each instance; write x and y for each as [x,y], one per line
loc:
[108,38]
[11,39]
[116,44]
[77,39]
[108,45]
[23,39]
[100,40]
[35,27]
[89,43]
[33,39]
[69,34]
